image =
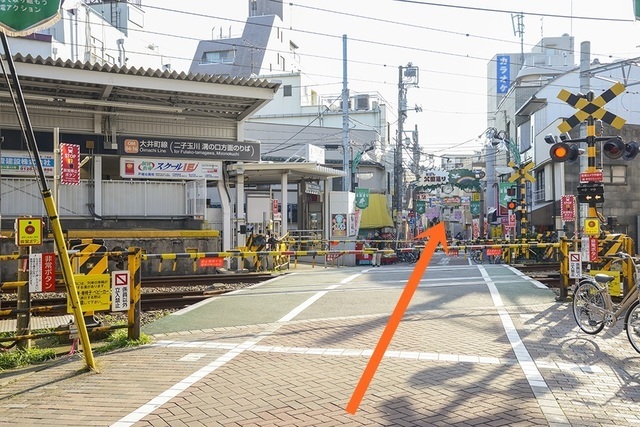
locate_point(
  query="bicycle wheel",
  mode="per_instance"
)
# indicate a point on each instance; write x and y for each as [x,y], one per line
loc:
[588,307]
[632,325]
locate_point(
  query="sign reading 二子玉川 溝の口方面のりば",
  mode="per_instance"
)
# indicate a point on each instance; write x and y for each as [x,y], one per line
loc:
[20,18]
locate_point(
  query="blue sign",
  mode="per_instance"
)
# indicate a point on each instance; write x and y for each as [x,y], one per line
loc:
[503,63]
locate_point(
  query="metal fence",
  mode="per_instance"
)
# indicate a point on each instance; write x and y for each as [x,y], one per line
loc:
[22,197]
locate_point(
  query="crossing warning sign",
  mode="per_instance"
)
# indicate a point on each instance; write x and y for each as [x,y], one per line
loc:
[593,108]
[575,265]
[120,290]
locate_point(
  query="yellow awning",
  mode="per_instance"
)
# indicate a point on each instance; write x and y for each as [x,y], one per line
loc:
[377,214]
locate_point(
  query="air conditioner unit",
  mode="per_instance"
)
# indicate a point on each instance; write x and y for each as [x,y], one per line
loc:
[363,102]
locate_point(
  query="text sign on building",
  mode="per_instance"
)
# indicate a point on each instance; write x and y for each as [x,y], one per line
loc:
[69,164]
[568,207]
[156,168]
[190,149]
[19,163]
[120,290]
[42,272]
[503,68]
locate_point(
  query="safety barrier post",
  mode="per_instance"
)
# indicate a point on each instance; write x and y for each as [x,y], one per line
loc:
[23,298]
[564,269]
[135,308]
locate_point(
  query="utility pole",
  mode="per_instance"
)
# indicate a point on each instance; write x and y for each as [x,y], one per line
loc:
[346,180]
[407,76]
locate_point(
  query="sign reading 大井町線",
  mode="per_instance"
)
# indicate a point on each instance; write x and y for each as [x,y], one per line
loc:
[190,149]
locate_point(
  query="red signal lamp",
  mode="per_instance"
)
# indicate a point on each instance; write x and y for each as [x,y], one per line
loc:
[564,152]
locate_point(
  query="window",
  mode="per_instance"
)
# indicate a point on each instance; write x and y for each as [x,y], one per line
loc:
[287,90]
[539,194]
[615,174]
[221,57]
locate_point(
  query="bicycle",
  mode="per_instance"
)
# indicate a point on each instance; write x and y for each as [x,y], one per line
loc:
[476,256]
[593,308]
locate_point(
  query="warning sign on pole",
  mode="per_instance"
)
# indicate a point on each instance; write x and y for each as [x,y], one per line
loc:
[28,231]
[120,290]
[42,272]
[575,265]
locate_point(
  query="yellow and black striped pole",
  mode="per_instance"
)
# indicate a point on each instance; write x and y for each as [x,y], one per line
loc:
[50,207]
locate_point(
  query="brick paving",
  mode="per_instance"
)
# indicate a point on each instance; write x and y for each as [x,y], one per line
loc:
[450,363]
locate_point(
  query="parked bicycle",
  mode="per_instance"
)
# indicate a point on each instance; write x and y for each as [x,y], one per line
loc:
[406,256]
[477,256]
[593,308]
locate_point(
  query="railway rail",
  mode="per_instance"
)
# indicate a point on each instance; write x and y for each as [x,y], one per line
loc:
[168,292]
[156,292]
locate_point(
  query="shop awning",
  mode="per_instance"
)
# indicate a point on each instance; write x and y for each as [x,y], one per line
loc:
[377,214]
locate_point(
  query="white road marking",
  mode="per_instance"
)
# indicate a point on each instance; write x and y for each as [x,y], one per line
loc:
[352,352]
[548,404]
[299,309]
[176,389]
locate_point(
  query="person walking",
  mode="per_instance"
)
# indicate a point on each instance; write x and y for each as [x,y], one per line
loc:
[378,244]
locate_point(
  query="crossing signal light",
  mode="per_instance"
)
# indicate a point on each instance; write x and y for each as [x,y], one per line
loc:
[615,148]
[591,194]
[511,205]
[564,152]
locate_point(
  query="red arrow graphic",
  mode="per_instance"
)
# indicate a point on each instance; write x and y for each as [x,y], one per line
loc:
[436,234]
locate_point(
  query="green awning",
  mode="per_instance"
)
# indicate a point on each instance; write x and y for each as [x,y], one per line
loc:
[377,214]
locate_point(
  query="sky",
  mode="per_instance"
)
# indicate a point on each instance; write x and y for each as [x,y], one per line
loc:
[451,42]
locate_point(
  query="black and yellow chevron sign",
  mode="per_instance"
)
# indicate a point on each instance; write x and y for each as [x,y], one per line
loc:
[591,108]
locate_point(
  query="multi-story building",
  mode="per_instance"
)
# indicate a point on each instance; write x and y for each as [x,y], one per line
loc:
[527,109]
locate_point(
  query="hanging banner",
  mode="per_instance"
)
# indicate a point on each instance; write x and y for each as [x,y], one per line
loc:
[69,164]
[362,198]
[19,18]
[421,206]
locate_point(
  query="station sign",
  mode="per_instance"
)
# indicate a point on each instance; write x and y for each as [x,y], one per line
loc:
[190,149]
[28,231]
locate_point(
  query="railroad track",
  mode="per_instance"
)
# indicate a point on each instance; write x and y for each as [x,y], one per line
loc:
[157,293]
[544,272]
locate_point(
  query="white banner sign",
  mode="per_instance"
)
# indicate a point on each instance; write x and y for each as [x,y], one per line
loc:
[149,168]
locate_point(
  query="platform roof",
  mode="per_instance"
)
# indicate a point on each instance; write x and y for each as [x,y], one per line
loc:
[57,83]
[271,173]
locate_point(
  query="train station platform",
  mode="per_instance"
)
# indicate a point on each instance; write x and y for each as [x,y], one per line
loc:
[479,345]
